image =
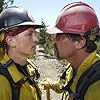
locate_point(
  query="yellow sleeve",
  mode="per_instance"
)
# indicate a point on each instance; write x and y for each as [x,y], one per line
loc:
[4,95]
[5,89]
[93,92]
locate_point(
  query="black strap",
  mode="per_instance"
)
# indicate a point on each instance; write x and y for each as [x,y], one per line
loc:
[67,87]
[37,74]
[63,76]
[33,82]
[87,78]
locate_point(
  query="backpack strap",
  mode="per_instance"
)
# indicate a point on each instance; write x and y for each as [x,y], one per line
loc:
[67,87]
[15,86]
[33,82]
[35,67]
[87,78]
[63,76]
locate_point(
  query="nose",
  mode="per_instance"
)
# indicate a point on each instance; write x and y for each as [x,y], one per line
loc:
[35,38]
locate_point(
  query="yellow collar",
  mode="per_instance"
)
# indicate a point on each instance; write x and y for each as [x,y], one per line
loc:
[86,64]
[16,75]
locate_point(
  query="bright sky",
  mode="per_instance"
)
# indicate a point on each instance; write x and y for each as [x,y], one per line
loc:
[49,9]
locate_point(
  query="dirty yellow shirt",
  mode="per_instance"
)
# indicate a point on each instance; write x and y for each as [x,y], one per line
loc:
[27,91]
[93,92]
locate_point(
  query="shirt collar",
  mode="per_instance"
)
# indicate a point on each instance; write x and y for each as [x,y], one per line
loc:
[16,75]
[86,64]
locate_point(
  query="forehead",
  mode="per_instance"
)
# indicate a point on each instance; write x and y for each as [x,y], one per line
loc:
[30,30]
[60,34]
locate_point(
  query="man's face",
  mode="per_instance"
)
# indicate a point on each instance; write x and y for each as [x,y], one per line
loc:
[65,48]
[25,42]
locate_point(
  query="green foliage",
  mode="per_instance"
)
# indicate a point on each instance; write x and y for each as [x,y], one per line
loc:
[1,5]
[45,40]
[5,3]
[98,47]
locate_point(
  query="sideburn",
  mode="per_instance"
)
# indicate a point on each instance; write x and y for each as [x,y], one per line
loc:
[57,52]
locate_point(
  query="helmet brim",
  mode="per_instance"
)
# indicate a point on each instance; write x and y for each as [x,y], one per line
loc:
[35,25]
[54,30]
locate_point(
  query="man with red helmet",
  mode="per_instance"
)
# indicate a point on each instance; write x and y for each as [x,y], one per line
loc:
[76,30]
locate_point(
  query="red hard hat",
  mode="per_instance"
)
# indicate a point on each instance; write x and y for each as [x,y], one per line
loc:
[75,18]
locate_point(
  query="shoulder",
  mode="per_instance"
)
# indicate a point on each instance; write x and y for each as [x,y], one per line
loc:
[93,92]
[5,88]
[3,81]
[4,94]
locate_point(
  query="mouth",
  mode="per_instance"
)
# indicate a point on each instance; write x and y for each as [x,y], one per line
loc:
[34,47]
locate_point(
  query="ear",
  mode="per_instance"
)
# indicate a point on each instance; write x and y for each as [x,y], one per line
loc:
[10,41]
[80,44]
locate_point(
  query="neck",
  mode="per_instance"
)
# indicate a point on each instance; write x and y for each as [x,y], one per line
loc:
[17,58]
[77,59]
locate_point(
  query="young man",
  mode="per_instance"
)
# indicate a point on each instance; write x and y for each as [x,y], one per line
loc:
[18,41]
[75,32]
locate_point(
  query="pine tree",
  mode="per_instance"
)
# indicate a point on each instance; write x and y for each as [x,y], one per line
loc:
[5,3]
[45,40]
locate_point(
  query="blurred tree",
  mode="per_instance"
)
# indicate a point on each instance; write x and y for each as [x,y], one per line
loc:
[98,45]
[5,3]
[1,5]
[45,40]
